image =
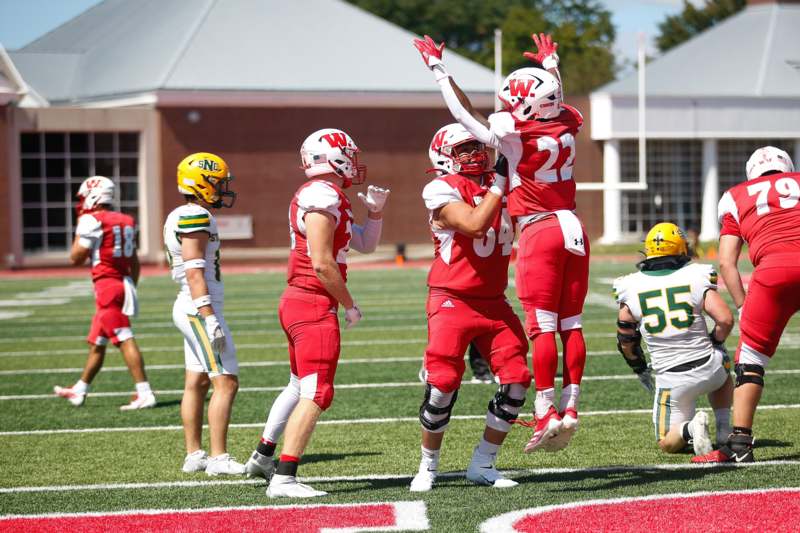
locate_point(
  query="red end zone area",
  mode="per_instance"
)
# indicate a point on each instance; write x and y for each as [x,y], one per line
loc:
[396,516]
[774,510]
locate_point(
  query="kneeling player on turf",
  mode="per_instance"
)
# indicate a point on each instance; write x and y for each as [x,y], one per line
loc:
[192,242]
[109,239]
[473,235]
[664,304]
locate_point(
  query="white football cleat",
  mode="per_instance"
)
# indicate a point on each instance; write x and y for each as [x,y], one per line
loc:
[75,398]
[224,465]
[288,487]
[196,461]
[569,425]
[140,401]
[259,466]
[423,481]
[701,440]
[482,471]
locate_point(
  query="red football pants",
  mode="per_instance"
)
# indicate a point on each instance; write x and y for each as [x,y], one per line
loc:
[312,328]
[773,296]
[109,322]
[454,322]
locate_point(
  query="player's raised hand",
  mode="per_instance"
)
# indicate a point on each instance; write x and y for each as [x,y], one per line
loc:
[352,316]
[216,335]
[375,198]
[545,51]
[431,52]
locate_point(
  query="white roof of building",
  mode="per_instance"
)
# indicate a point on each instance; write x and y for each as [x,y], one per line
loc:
[121,48]
[755,53]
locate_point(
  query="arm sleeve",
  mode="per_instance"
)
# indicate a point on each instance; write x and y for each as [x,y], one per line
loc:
[730,226]
[89,232]
[365,238]
[319,197]
[618,289]
[705,280]
[462,116]
[439,193]
[193,218]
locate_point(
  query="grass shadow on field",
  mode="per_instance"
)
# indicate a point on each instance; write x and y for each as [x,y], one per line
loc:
[168,403]
[324,457]
[772,443]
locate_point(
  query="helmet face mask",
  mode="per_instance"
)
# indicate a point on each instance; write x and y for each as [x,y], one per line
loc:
[206,177]
[454,150]
[332,151]
[530,94]
[94,192]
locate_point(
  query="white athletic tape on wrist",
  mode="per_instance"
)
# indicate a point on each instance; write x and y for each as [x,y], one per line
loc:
[201,301]
[439,72]
[194,263]
[494,189]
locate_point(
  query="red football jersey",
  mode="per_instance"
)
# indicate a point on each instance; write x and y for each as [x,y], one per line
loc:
[111,236]
[324,196]
[540,155]
[764,212]
[463,265]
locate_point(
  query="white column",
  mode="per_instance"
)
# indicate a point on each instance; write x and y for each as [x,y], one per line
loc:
[796,160]
[612,198]
[709,226]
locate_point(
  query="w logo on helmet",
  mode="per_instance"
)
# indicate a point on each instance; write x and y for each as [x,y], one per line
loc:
[438,140]
[336,139]
[520,87]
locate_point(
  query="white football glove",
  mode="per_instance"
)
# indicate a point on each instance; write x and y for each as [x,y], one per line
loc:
[499,185]
[375,198]
[352,316]
[646,379]
[216,335]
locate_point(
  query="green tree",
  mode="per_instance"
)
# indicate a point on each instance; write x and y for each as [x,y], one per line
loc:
[582,29]
[676,29]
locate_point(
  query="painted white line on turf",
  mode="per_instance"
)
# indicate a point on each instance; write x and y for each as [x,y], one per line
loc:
[381,477]
[8,315]
[111,394]
[337,422]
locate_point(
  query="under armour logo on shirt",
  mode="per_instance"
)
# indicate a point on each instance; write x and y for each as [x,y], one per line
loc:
[578,242]
[447,303]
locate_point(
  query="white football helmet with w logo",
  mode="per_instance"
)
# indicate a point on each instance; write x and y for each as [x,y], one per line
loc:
[444,154]
[766,159]
[531,93]
[329,151]
[94,191]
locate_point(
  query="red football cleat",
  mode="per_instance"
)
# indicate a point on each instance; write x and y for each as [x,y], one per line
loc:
[547,427]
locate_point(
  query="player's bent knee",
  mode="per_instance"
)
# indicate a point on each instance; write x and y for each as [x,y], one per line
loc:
[571,322]
[748,373]
[505,406]
[436,408]
[668,447]
[324,396]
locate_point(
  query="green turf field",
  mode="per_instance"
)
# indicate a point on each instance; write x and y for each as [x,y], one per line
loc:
[57,458]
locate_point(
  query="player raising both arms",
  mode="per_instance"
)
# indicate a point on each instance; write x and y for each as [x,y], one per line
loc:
[109,239]
[321,230]
[663,304]
[192,242]
[536,136]
[763,212]
[473,236]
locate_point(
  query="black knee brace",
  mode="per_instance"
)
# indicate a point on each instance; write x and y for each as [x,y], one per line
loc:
[742,378]
[501,399]
[427,407]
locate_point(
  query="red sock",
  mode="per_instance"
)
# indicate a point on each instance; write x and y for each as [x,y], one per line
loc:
[289,459]
[574,356]
[545,360]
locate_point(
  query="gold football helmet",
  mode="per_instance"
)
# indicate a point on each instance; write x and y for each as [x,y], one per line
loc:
[206,177]
[665,238]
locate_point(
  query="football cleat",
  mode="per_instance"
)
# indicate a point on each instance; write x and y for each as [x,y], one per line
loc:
[424,480]
[546,428]
[75,398]
[569,425]
[738,449]
[698,427]
[224,465]
[482,471]
[288,487]
[259,466]
[140,401]
[195,462]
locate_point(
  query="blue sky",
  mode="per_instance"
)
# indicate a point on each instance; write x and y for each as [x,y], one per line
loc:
[21,21]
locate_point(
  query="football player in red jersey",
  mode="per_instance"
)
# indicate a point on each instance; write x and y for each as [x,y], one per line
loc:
[321,230]
[473,236]
[535,135]
[109,239]
[764,213]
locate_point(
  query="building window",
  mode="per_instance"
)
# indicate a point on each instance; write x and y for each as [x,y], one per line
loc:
[52,167]
[675,185]
[732,156]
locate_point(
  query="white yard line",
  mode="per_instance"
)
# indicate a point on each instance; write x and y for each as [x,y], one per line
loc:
[338,422]
[379,477]
[167,392]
